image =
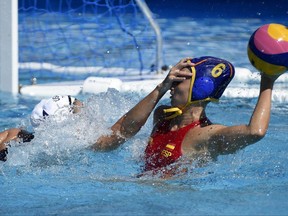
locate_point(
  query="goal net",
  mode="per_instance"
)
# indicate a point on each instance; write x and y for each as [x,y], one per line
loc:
[73,39]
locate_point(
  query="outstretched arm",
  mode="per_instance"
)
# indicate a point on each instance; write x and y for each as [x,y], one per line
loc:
[12,134]
[230,139]
[130,123]
[8,135]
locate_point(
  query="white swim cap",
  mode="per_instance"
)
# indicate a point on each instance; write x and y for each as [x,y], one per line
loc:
[57,106]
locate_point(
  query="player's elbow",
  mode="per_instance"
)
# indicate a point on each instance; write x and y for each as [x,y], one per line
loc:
[258,134]
[108,142]
[127,134]
[106,146]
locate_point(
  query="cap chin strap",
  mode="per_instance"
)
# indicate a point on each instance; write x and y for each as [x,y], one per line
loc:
[176,111]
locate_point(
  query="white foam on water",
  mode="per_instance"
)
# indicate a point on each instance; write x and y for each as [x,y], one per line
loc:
[56,143]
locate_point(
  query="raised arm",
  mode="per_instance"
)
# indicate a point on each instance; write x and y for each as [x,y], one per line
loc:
[130,123]
[230,139]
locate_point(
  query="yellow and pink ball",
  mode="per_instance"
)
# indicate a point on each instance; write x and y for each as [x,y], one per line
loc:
[268,49]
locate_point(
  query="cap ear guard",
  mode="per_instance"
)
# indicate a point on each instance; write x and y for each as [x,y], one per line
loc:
[204,86]
[210,77]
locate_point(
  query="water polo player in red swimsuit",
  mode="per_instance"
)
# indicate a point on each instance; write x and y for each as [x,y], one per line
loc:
[183,130]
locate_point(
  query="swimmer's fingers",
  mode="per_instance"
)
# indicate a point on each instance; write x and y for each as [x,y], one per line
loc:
[185,62]
[186,59]
[176,75]
[179,75]
[177,72]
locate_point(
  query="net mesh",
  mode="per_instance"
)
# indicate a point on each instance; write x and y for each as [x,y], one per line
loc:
[77,38]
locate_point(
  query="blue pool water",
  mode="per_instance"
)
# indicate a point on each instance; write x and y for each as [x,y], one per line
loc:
[57,174]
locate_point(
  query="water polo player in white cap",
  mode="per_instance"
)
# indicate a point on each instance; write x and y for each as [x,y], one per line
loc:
[182,132]
[57,107]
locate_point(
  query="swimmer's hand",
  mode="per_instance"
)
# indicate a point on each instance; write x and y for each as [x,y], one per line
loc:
[3,154]
[25,136]
[178,73]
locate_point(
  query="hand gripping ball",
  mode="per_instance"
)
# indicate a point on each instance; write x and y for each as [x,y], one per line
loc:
[268,49]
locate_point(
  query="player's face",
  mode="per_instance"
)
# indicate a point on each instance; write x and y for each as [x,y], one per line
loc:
[77,105]
[180,91]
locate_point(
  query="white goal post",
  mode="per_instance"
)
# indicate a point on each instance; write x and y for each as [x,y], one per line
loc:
[9,46]
[137,48]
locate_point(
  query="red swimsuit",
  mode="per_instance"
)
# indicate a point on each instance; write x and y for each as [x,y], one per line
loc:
[165,146]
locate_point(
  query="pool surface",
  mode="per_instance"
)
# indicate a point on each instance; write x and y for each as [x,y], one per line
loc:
[57,173]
